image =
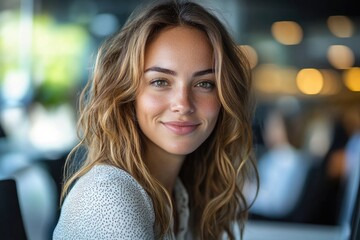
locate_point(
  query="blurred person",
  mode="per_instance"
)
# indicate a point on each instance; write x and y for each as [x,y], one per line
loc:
[323,202]
[329,190]
[166,125]
[282,170]
[352,166]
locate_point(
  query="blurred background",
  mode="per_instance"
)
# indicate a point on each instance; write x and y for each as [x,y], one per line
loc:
[305,58]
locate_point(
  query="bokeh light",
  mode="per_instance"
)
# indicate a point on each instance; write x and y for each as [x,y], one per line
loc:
[309,81]
[287,32]
[340,26]
[340,56]
[352,79]
[251,54]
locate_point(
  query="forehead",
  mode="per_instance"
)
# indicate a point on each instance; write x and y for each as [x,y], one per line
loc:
[180,33]
[180,44]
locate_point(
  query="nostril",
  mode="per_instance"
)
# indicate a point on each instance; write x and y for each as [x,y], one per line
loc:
[182,104]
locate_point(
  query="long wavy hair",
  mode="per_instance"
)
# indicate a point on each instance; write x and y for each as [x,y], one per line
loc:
[215,173]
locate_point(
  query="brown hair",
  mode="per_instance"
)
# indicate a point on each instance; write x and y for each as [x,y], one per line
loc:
[110,134]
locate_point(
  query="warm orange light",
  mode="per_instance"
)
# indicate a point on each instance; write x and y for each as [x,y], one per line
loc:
[340,26]
[332,84]
[309,81]
[352,79]
[287,32]
[251,54]
[272,79]
[340,56]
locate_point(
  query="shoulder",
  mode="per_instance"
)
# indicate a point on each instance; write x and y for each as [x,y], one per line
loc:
[107,201]
[109,184]
[108,177]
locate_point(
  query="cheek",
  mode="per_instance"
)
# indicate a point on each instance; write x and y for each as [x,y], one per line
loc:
[210,108]
[147,104]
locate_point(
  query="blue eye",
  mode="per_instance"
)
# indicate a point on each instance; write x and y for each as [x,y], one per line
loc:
[159,83]
[209,85]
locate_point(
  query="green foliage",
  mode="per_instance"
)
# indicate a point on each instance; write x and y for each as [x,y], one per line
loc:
[58,55]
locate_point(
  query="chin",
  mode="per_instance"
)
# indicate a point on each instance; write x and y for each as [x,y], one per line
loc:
[180,150]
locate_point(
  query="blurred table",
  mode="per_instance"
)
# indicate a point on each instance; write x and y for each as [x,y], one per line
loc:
[260,230]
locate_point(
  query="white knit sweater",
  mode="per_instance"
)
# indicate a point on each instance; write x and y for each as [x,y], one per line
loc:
[108,203]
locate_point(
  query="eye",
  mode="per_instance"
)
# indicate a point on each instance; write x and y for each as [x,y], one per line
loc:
[207,85]
[159,83]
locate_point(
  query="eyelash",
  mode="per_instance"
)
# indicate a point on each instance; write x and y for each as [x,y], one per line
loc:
[206,85]
[209,85]
[159,83]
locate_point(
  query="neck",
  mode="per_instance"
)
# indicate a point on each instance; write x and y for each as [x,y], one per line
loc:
[165,167]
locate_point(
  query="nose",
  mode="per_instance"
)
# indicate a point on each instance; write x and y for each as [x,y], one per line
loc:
[182,102]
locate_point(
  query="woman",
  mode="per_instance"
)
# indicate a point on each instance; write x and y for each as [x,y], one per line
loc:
[167,127]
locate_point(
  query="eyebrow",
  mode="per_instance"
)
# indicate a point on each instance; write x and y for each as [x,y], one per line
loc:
[173,73]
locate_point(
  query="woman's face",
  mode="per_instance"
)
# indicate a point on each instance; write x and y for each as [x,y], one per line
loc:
[177,105]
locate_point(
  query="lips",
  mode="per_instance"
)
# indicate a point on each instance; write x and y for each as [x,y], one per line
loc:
[181,128]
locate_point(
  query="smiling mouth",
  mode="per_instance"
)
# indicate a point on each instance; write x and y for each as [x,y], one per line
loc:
[181,128]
